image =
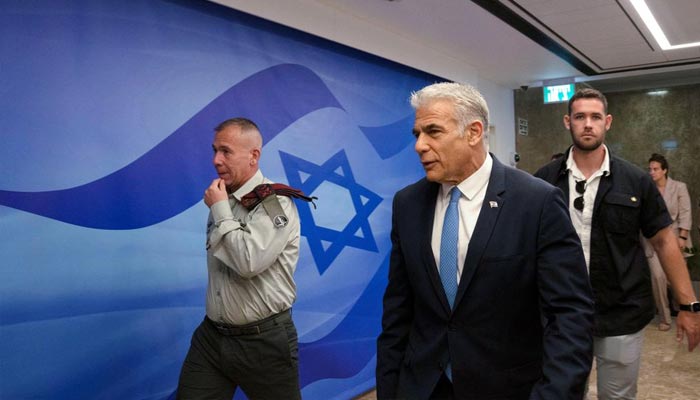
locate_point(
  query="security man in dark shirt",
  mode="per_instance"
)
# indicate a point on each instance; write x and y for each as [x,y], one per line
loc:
[610,202]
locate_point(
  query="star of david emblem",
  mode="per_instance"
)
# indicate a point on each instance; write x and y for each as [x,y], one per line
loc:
[325,242]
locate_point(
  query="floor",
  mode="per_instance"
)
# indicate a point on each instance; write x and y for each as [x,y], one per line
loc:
[668,370]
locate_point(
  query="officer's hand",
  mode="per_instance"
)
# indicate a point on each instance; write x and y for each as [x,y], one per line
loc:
[215,192]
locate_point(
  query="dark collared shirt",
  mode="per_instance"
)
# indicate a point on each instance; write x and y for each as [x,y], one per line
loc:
[627,202]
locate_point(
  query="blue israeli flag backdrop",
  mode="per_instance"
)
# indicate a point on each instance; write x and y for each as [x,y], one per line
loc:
[108,110]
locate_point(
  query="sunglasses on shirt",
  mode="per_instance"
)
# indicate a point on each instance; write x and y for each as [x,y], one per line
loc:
[580,189]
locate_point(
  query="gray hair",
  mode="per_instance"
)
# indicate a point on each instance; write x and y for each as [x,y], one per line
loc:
[248,128]
[468,102]
[244,123]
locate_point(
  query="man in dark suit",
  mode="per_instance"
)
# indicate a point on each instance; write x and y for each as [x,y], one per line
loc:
[488,295]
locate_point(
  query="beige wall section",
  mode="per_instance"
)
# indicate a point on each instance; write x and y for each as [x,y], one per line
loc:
[642,123]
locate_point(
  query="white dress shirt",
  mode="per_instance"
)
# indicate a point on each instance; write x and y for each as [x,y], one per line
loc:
[473,193]
[582,219]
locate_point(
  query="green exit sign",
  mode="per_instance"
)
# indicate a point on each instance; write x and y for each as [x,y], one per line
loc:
[558,93]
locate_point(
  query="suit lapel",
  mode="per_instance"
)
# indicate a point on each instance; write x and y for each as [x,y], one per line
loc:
[670,193]
[426,219]
[490,209]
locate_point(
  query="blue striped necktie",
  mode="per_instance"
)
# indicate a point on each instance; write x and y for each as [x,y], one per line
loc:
[448,247]
[448,255]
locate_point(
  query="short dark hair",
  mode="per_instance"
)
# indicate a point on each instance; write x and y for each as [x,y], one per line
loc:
[589,93]
[661,160]
[244,123]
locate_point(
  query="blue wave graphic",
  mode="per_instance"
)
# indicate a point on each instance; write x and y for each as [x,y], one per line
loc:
[169,178]
[353,341]
[86,301]
[391,139]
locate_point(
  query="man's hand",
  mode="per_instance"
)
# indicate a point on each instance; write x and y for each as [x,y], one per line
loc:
[666,246]
[688,324]
[215,192]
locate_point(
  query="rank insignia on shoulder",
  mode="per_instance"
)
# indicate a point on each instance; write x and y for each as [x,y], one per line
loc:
[266,194]
[261,192]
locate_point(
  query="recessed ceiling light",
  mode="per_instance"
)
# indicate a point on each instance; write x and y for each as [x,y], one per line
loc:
[657,92]
[655,29]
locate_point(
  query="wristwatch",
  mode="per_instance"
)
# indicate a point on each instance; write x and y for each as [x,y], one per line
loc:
[693,307]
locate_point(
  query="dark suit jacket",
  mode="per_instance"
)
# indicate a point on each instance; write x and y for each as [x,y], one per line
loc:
[521,324]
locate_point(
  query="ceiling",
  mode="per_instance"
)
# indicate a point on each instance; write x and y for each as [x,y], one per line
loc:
[514,43]
[607,41]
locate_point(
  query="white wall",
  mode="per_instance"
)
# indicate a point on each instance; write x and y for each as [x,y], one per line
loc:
[502,111]
[323,19]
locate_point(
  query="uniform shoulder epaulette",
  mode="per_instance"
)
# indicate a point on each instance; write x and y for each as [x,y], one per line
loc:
[267,195]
